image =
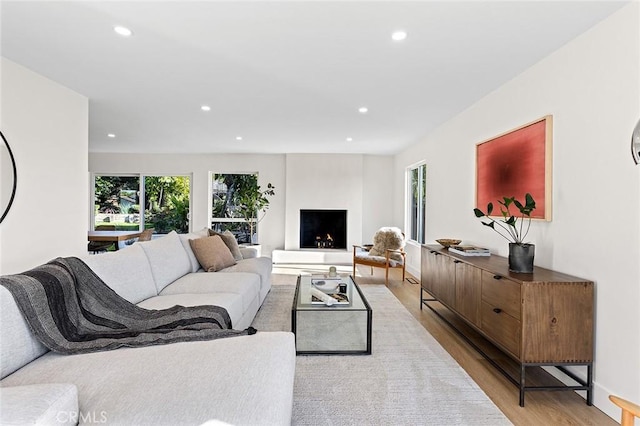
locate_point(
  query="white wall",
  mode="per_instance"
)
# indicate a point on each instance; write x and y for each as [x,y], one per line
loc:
[46,125]
[323,181]
[360,184]
[591,87]
[377,195]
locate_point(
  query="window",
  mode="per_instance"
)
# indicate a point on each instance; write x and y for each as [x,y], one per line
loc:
[117,202]
[165,201]
[228,211]
[417,202]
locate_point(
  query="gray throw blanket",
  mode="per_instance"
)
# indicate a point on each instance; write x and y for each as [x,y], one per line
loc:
[71,310]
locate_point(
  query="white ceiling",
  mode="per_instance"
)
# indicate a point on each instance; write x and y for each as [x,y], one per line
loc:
[286,76]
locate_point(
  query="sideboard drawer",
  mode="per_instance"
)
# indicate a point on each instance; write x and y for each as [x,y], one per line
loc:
[502,293]
[502,327]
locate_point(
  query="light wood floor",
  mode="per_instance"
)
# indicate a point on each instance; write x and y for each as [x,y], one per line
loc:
[541,408]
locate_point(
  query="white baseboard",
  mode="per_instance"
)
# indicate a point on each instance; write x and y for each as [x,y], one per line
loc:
[601,401]
[413,271]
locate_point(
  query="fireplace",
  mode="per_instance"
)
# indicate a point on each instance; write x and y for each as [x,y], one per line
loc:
[323,229]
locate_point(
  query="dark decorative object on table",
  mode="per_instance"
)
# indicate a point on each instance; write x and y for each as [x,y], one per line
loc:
[15,179]
[521,257]
[520,253]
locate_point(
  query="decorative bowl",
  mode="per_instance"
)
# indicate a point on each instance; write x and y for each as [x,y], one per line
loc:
[448,242]
[328,286]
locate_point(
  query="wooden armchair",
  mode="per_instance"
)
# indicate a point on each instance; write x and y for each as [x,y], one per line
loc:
[629,410]
[146,235]
[361,257]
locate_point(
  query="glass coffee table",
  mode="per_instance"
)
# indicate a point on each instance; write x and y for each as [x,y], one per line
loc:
[339,329]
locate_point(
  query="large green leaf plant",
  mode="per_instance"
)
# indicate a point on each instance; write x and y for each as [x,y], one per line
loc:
[510,227]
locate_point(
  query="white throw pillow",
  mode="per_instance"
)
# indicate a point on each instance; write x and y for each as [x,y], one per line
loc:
[184,239]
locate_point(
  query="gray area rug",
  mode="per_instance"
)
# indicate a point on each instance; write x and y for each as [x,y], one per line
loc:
[408,380]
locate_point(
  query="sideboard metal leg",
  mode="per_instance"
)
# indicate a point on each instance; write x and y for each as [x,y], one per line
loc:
[590,384]
[522,384]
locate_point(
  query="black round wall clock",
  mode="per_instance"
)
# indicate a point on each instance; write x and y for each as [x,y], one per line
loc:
[4,208]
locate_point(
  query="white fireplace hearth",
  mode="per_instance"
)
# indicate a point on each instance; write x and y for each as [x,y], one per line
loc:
[313,256]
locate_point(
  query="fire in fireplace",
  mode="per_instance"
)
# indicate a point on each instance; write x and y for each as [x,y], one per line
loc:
[324,242]
[323,229]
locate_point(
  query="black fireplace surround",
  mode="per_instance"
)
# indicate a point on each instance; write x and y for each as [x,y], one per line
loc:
[323,229]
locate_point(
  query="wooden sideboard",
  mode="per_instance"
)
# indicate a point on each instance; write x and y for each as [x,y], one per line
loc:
[539,319]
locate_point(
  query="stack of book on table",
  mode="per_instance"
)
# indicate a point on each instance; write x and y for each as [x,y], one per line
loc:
[470,251]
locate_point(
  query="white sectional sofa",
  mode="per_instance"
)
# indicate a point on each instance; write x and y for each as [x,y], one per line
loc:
[239,380]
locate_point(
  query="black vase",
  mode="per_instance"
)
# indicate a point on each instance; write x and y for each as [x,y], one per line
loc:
[521,258]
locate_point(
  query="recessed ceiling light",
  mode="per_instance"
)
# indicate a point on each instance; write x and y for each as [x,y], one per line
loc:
[123,31]
[238,138]
[349,139]
[363,110]
[399,35]
[111,135]
[205,108]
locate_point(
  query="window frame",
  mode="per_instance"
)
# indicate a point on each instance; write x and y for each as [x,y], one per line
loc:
[92,210]
[419,236]
[213,219]
[142,196]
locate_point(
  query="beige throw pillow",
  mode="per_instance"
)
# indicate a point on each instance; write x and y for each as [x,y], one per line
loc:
[231,242]
[212,253]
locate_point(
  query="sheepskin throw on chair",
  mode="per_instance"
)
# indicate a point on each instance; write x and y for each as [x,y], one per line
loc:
[387,238]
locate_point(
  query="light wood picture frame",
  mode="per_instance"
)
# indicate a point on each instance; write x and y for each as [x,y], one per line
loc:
[515,163]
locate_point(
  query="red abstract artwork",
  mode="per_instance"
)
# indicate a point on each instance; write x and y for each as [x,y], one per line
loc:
[515,163]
